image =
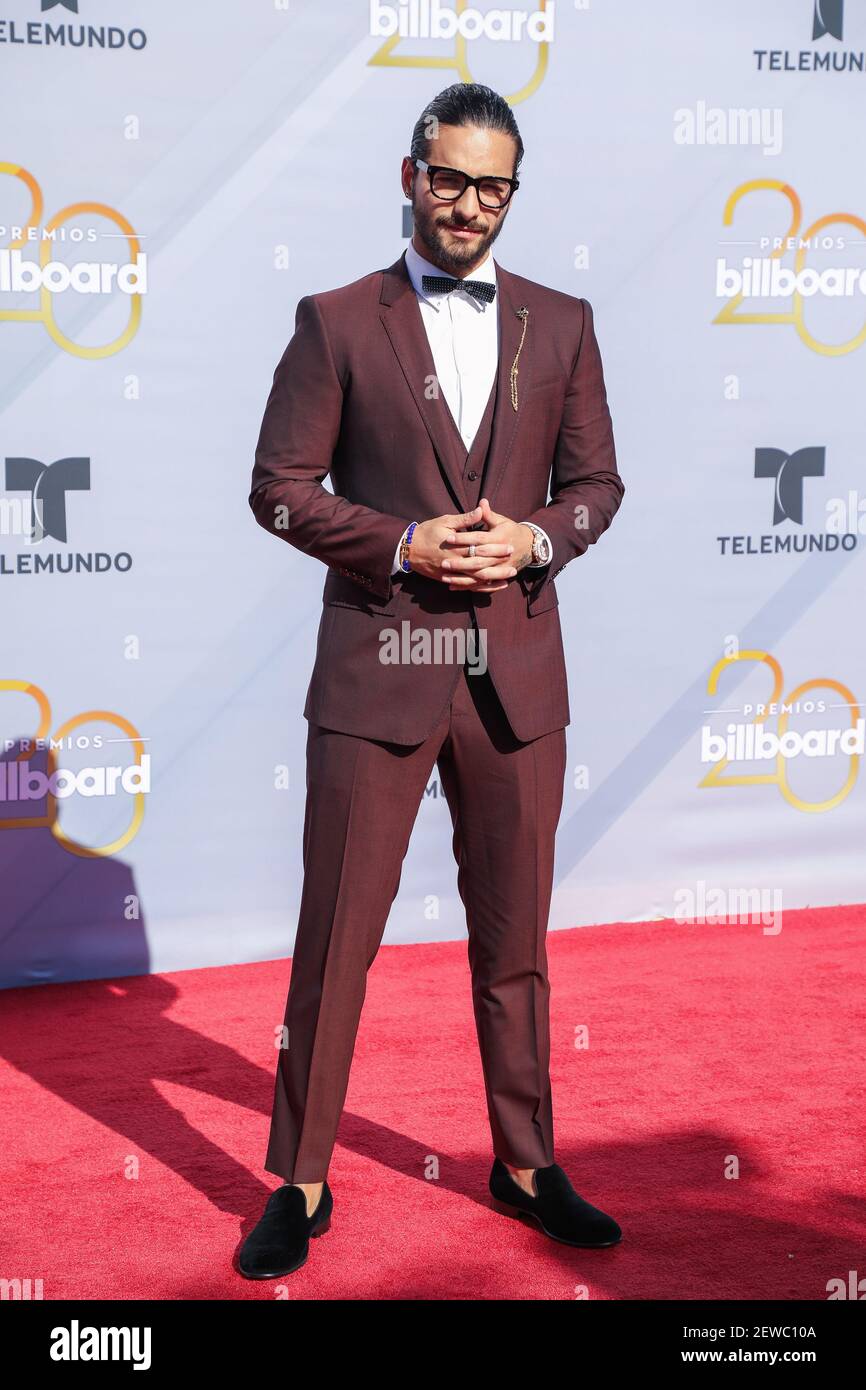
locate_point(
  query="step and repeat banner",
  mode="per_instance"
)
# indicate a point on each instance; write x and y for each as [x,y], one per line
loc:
[173,178]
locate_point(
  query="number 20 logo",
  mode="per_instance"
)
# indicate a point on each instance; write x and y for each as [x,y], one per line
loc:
[795,315]
[51,820]
[714,777]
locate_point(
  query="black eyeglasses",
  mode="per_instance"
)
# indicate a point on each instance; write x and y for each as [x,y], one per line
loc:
[451,184]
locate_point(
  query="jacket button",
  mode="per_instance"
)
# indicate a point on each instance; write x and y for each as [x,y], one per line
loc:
[472,475]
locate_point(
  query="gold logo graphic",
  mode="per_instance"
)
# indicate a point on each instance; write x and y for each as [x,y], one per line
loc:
[457,61]
[796,314]
[779,778]
[45,314]
[51,819]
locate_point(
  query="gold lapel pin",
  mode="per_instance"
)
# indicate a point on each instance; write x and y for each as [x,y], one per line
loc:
[523,314]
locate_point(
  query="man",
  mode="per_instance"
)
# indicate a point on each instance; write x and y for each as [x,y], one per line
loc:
[446,397]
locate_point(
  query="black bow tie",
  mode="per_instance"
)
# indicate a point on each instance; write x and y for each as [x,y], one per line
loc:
[443,284]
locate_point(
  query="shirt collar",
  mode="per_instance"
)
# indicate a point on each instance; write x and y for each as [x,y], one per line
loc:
[416,265]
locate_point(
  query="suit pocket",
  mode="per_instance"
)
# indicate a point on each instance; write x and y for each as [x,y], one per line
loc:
[547,599]
[547,383]
[341,592]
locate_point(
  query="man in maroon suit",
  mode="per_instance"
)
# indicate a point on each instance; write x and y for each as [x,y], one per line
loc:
[461,413]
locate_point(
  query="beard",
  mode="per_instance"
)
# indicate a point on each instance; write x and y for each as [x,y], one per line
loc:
[453,257]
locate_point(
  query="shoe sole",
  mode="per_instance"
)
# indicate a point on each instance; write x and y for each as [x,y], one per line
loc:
[508,1210]
[290,1269]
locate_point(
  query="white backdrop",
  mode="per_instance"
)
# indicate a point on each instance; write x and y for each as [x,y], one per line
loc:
[251,154]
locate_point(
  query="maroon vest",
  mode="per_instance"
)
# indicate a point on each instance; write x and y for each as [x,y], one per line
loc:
[472,464]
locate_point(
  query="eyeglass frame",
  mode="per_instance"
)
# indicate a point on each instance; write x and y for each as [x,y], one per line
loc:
[431,169]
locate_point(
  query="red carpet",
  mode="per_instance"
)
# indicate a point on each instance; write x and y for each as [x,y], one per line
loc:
[135,1117]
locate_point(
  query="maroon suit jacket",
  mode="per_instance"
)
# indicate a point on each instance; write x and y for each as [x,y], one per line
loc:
[348,399]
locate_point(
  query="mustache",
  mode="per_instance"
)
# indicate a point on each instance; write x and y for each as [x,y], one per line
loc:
[462,226]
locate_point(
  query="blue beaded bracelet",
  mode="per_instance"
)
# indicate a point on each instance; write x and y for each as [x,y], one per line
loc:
[404,564]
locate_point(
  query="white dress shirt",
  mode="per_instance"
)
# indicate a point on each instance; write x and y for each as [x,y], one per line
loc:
[463,333]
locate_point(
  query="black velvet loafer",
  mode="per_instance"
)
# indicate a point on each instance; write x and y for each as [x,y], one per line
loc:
[560,1212]
[279,1244]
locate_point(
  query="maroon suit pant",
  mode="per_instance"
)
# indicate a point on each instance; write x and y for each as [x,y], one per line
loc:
[363,796]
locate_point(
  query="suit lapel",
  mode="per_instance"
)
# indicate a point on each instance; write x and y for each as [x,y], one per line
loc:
[505,418]
[401,317]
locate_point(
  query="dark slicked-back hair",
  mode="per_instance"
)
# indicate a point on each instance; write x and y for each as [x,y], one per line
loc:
[465,103]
